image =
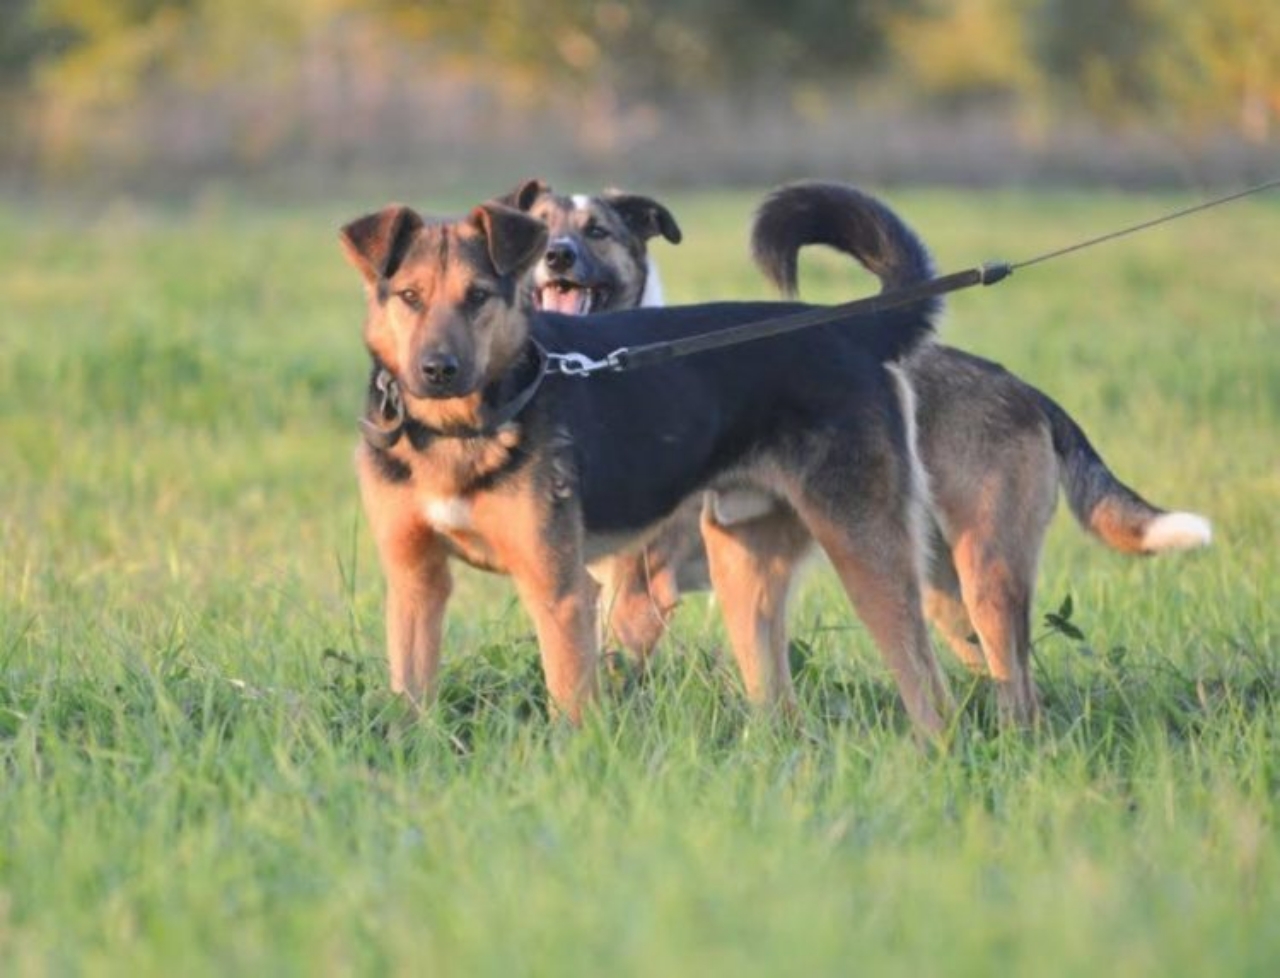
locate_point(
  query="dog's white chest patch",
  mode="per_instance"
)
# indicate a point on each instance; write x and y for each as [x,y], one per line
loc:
[653,297]
[448,513]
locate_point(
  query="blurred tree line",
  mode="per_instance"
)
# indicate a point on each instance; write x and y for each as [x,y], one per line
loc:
[80,79]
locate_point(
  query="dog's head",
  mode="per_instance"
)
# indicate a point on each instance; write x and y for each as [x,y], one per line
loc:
[596,258]
[447,310]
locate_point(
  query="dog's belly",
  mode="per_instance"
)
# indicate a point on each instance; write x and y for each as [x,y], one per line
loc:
[597,547]
[731,506]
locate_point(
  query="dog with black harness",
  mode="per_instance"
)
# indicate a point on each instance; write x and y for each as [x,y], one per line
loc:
[483,444]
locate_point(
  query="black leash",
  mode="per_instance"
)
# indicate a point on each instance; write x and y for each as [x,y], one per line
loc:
[648,354]
[1134,228]
[633,357]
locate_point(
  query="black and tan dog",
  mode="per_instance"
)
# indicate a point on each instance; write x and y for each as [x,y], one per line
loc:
[475,452]
[994,448]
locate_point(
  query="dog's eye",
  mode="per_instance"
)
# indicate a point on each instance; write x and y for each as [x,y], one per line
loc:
[477,295]
[596,231]
[410,297]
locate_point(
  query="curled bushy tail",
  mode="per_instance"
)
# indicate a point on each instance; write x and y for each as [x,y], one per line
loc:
[844,218]
[1106,506]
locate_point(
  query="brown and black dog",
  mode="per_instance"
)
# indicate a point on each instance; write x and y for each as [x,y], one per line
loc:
[474,450]
[994,448]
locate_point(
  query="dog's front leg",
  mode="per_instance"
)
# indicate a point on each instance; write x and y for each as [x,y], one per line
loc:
[534,527]
[417,592]
[415,565]
[562,603]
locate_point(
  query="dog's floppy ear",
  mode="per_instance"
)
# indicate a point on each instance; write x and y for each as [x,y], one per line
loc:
[376,243]
[644,216]
[524,194]
[515,239]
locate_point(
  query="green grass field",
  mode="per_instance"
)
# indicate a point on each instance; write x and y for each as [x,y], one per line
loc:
[201,770]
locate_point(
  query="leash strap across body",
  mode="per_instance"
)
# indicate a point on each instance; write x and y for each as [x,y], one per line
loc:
[648,354]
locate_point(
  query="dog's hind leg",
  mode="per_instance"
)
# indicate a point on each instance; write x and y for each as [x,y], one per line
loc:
[864,500]
[997,590]
[752,565]
[998,527]
[944,606]
[882,581]
[638,597]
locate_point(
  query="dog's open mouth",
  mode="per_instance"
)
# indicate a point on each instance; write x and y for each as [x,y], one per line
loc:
[570,298]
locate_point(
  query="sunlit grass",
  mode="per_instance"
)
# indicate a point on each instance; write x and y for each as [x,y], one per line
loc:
[201,769]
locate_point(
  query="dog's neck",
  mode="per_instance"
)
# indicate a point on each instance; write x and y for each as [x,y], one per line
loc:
[652,297]
[480,414]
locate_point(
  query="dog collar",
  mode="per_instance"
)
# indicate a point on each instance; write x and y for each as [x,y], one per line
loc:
[388,418]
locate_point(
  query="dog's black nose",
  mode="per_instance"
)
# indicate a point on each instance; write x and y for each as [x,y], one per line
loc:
[439,369]
[561,254]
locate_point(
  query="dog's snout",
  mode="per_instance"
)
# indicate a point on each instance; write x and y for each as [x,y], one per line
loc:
[439,369]
[561,255]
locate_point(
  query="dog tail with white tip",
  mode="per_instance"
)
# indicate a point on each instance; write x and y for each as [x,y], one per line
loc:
[850,221]
[1105,506]
[844,218]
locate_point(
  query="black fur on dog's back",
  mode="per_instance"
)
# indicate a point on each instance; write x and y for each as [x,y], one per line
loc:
[635,466]
[844,218]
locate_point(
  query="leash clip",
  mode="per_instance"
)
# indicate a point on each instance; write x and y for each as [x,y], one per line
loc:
[581,365]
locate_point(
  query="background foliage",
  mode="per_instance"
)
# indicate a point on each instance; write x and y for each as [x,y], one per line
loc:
[102,89]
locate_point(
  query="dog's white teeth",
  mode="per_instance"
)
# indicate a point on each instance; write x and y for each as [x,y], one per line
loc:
[563,298]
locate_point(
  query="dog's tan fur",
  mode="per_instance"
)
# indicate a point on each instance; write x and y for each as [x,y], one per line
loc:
[511,499]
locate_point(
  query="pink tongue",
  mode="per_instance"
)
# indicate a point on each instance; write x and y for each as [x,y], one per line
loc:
[571,302]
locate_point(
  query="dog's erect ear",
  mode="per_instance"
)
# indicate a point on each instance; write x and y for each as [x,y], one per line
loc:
[515,239]
[524,194]
[376,243]
[644,216]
